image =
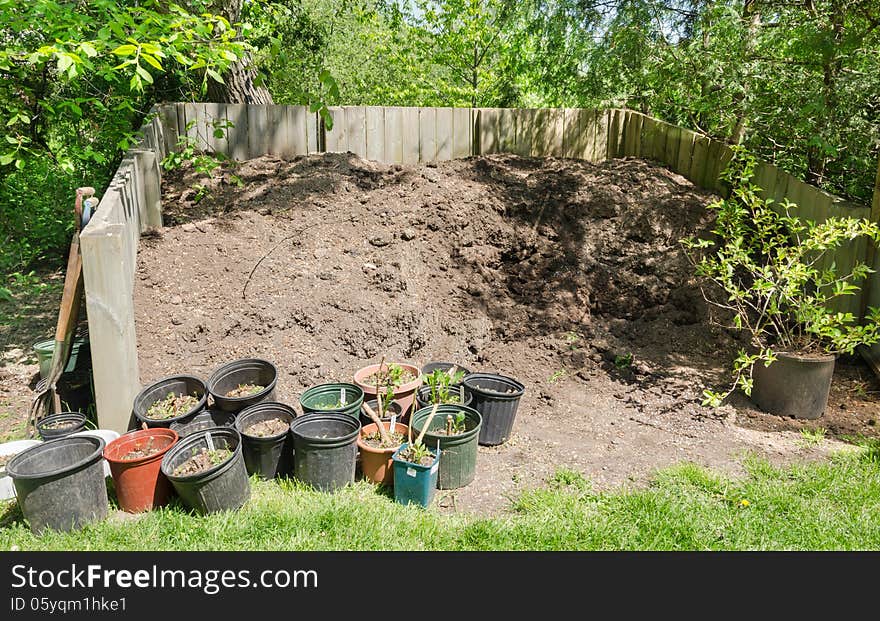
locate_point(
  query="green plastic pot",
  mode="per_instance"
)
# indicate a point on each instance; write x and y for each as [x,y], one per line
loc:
[313,399]
[458,454]
[45,349]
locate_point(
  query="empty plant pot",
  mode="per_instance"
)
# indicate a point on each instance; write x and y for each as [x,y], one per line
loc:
[793,385]
[424,399]
[268,456]
[338,397]
[458,462]
[404,393]
[237,375]
[60,483]
[179,385]
[205,419]
[394,409]
[496,398]
[224,486]
[135,462]
[415,483]
[60,425]
[325,449]
[79,359]
[376,462]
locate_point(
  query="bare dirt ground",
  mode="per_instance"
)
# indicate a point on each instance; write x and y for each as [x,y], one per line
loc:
[563,274]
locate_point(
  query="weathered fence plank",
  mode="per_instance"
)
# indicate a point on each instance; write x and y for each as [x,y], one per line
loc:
[277,132]
[445,134]
[356,129]
[525,143]
[393,133]
[215,119]
[427,134]
[410,135]
[297,137]
[685,152]
[335,138]
[462,129]
[237,115]
[616,122]
[375,117]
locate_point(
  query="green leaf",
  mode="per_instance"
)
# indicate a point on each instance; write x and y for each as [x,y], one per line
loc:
[6,159]
[151,60]
[125,50]
[88,49]
[144,74]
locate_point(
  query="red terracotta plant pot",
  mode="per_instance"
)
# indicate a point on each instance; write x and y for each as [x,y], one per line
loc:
[404,394]
[376,463]
[140,485]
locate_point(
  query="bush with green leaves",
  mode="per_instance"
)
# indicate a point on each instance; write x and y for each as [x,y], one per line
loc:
[771,272]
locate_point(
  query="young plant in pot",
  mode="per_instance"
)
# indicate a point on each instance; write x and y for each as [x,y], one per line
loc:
[402,378]
[443,386]
[172,399]
[770,272]
[377,442]
[416,468]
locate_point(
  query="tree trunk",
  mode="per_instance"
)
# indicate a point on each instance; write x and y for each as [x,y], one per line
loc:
[238,85]
[751,14]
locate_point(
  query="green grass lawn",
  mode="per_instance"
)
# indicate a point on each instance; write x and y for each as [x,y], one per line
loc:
[829,505]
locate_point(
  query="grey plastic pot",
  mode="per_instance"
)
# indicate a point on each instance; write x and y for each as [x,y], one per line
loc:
[793,385]
[245,371]
[224,487]
[178,384]
[496,398]
[60,484]
[325,449]
[266,456]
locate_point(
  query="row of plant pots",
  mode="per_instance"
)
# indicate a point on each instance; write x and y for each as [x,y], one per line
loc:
[205,455]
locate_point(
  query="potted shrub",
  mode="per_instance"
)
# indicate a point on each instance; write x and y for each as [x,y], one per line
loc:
[242,383]
[443,386]
[207,470]
[377,442]
[455,430]
[415,474]
[169,400]
[135,459]
[762,269]
[401,378]
[390,410]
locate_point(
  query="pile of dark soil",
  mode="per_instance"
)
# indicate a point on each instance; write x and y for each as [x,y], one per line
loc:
[566,275]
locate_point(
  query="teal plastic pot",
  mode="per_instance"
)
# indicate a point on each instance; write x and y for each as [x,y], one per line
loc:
[322,397]
[458,463]
[415,484]
[79,348]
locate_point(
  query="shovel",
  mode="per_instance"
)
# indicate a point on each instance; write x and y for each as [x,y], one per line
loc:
[47,400]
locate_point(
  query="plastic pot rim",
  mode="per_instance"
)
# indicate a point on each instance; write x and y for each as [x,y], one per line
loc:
[372,449]
[153,431]
[519,388]
[94,456]
[265,405]
[204,475]
[402,389]
[320,389]
[336,440]
[396,456]
[52,418]
[456,438]
[222,370]
[203,400]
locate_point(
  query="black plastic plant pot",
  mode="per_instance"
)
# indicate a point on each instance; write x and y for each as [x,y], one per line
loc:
[496,398]
[266,456]
[338,397]
[423,396]
[60,483]
[325,449]
[224,487]
[796,386]
[177,384]
[60,425]
[393,410]
[458,453]
[206,419]
[245,371]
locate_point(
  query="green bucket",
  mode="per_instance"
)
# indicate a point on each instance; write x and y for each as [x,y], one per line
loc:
[329,397]
[458,454]
[45,349]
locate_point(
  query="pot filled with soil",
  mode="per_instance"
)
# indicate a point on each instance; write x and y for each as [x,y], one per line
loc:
[60,483]
[60,425]
[336,397]
[389,410]
[135,463]
[266,442]
[415,474]
[398,378]
[8,450]
[496,398]
[207,471]
[242,383]
[170,400]
[793,385]
[428,395]
[206,419]
[455,429]
[376,451]
[325,449]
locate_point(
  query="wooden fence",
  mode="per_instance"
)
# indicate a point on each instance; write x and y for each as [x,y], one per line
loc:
[132,203]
